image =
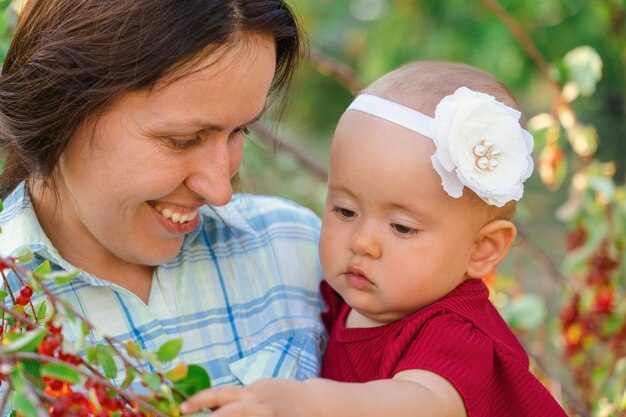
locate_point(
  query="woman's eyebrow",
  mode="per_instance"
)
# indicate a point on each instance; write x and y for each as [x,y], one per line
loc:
[202,124]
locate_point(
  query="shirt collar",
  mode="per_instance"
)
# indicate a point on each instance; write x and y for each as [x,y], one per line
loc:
[228,215]
[20,226]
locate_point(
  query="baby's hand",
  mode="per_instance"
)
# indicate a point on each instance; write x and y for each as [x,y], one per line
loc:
[264,398]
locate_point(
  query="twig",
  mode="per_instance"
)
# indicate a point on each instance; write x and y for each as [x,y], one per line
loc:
[266,135]
[5,396]
[8,287]
[341,73]
[560,107]
[111,341]
[539,256]
[32,396]
[18,317]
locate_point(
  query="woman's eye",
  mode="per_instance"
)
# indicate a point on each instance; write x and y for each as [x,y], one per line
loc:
[182,144]
[403,230]
[241,131]
[344,212]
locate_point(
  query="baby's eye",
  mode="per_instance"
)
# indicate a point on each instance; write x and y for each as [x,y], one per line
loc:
[403,230]
[344,212]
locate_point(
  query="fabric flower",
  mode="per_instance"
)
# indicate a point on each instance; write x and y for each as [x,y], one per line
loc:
[481,145]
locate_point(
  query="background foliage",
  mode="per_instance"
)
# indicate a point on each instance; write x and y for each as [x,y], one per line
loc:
[562,287]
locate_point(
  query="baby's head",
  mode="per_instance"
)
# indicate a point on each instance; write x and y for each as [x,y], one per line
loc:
[422,85]
[414,206]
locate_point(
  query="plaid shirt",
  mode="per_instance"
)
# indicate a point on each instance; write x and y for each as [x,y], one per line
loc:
[242,293]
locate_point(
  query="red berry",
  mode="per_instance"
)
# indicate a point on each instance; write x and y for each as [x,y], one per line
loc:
[576,238]
[113,403]
[604,301]
[60,407]
[21,300]
[53,329]
[26,291]
[56,385]
[48,346]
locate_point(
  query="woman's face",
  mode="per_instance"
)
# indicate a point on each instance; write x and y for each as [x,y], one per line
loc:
[132,180]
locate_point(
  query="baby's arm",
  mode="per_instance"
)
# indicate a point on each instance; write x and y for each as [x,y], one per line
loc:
[409,393]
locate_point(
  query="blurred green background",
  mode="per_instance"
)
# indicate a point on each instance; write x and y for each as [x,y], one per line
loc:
[363,39]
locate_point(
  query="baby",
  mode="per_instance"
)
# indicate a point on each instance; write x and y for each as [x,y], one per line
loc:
[426,166]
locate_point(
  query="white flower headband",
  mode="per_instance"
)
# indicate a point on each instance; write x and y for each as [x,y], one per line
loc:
[479,142]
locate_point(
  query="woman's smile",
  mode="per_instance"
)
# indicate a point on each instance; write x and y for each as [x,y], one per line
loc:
[176,219]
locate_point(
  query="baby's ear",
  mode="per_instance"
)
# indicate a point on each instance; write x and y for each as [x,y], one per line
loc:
[491,245]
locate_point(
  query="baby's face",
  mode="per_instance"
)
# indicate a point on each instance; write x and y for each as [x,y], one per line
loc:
[392,240]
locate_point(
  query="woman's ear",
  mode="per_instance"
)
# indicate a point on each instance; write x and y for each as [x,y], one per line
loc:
[491,245]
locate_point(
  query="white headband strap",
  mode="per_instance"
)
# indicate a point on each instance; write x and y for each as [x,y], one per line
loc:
[394,113]
[479,143]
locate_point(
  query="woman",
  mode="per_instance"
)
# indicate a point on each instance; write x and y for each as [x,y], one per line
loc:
[123,124]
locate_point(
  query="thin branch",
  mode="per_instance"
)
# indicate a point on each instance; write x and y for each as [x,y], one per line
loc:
[266,135]
[5,396]
[560,108]
[111,341]
[539,257]
[18,317]
[342,73]
[32,396]
[8,287]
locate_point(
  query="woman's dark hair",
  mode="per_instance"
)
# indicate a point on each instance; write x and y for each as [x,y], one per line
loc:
[71,59]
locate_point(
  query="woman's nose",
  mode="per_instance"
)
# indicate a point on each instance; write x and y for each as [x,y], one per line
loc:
[366,242]
[214,165]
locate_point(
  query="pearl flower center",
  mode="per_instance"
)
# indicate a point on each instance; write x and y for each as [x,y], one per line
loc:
[486,155]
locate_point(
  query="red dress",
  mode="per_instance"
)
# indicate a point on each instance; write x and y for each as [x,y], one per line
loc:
[461,338]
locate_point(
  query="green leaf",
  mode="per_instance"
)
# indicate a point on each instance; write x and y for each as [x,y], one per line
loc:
[28,342]
[153,381]
[130,377]
[61,277]
[527,312]
[3,294]
[33,369]
[197,379]
[106,361]
[151,357]
[23,404]
[90,354]
[43,268]
[170,350]
[61,372]
[24,255]
[41,312]
[18,382]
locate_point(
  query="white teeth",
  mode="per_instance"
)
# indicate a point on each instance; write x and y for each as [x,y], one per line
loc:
[176,217]
[167,213]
